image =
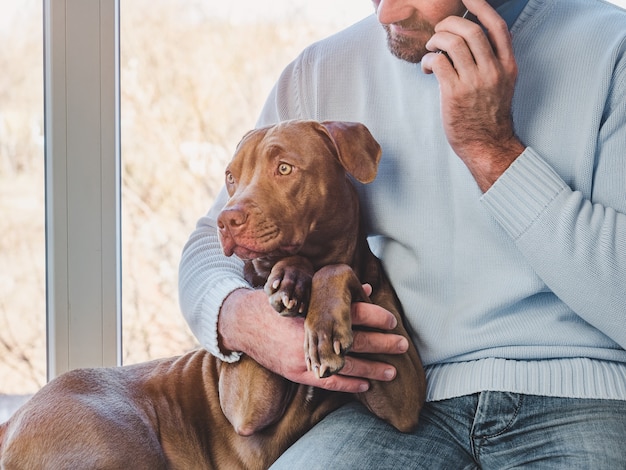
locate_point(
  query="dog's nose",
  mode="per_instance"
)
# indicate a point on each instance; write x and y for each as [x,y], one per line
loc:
[231,218]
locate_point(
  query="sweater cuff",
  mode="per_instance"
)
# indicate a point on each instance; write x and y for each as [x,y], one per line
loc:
[523,192]
[211,309]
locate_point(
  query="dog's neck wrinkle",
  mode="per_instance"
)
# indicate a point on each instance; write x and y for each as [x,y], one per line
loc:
[323,254]
[337,246]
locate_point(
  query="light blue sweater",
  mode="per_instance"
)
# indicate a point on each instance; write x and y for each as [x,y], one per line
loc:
[520,289]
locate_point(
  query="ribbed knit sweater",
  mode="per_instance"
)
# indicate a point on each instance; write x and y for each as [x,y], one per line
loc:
[520,289]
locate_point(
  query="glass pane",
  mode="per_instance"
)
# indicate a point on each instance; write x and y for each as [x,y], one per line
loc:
[194,77]
[195,74]
[22,249]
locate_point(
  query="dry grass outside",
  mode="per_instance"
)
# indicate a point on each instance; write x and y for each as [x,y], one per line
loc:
[22,314]
[192,85]
[22,252]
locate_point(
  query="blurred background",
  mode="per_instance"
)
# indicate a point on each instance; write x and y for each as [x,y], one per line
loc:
[194,75]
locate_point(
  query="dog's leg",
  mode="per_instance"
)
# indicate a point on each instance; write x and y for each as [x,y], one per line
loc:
[328,326]
[328,337]
[398,402]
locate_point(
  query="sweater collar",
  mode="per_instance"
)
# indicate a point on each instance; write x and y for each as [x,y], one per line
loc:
[510,10]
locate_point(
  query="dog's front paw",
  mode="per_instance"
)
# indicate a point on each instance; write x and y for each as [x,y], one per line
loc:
[325,346]
[289,287]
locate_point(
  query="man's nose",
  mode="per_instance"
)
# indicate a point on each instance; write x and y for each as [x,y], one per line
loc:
[392,11]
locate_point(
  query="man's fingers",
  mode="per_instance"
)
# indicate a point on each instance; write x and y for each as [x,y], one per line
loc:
[356,367]
[339,383]
[372,316]
[378,343]
[495,28]
[367,289]
[356,373]
[354,377]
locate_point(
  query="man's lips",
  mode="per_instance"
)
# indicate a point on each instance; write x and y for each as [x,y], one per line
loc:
[398,29]
[405,31]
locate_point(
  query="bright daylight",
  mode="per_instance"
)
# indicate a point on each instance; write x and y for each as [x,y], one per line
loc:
[502,312]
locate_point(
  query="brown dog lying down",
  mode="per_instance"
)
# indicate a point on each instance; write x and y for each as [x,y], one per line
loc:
[293,215]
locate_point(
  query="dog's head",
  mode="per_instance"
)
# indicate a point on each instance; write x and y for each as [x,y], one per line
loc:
[288,187]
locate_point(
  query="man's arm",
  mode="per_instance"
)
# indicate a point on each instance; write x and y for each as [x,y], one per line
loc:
[247,322]
[576,246]
[477,80]
[212,290]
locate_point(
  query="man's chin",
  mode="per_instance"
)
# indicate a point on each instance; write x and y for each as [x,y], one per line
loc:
[404,52]
[405,48]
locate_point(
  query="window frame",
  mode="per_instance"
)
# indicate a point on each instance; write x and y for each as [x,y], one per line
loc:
[82,176]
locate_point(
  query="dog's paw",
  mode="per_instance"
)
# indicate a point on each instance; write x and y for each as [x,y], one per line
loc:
[289,289]
[325,347]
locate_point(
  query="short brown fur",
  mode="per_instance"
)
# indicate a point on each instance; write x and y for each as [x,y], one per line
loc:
[171,413]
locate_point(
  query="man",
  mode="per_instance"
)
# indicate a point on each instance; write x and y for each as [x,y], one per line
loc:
[499,212]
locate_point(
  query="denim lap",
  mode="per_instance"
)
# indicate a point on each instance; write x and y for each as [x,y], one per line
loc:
[489,430]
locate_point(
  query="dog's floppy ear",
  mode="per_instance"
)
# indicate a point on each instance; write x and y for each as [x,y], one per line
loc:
[358,151]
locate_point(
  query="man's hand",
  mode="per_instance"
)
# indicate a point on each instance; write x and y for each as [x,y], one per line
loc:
[249,324]
[477,79]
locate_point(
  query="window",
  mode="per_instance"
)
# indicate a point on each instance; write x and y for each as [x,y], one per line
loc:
[194,75]
[22,252]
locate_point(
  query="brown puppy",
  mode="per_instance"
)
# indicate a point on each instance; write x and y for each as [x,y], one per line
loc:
[294,216]
[177,413]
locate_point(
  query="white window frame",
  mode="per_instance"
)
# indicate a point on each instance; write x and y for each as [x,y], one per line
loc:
[83,255]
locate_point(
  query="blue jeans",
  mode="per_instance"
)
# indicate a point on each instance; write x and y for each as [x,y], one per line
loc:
[488,430]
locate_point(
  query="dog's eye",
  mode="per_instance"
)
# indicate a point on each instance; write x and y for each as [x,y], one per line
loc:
[230,179]
[284,169]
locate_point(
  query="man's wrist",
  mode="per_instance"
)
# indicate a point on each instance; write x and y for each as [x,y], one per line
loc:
[487,171]
[226,319]
[231,326]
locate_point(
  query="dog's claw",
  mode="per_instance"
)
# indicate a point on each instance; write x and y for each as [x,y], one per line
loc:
[326,357]
[288,287]
[289,304]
